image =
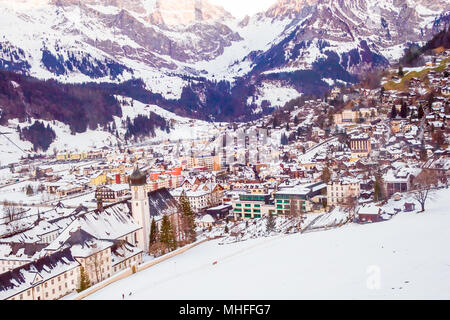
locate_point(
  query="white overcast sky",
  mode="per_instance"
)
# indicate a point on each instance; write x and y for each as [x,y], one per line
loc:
[240,8]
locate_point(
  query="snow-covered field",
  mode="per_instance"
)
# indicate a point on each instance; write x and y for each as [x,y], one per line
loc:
[277,93]
[404,258]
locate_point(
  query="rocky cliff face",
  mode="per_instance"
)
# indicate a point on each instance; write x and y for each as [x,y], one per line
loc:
[288,9]
[359,34]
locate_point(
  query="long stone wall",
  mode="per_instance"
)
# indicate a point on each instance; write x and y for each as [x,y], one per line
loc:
[129,271]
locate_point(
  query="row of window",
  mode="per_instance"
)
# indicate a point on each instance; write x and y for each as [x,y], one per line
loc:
[60,288]
[13,263]
[59,278]
[248,205]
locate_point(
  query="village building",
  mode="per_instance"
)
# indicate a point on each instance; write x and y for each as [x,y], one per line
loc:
[369,213]
[50,277]
[400,180]
[112,193]
[360,145]
[251,206]
[300,199]
[339,191]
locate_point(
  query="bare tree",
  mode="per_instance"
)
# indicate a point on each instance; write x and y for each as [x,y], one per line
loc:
[12,214]
[94,265]
[295,213]
[351,203]
[423,183]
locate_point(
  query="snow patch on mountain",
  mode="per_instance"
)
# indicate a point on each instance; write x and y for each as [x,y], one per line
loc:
[275,92]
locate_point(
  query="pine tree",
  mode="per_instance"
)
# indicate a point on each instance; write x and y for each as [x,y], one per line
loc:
[167,235]
[430,101]
[284,139]
[378,188]
[84,280]
[275,123]
[393,112]
[153,233]
[420,113]
[404,110]
[188,218]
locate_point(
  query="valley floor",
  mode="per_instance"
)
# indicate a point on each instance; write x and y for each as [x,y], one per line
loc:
[404,258]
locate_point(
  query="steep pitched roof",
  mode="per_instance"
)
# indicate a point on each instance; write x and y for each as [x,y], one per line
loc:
[25,250]
[23,278]
[161,202]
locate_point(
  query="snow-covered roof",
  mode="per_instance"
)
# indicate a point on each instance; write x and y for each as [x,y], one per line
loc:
[207,219]
[23,278]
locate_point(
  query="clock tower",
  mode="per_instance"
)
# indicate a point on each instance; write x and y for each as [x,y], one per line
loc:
[140,208]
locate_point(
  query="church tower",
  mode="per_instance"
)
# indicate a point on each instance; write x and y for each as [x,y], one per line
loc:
[140,208]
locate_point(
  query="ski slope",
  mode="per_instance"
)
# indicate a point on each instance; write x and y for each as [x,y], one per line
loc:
[404,258]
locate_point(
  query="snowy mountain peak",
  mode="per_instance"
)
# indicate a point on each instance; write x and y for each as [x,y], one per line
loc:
[159,12]
[283,9]
[186,12]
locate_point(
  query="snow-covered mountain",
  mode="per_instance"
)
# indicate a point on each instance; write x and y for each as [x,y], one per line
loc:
[176,45]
